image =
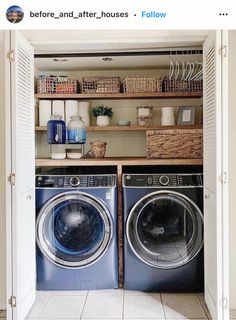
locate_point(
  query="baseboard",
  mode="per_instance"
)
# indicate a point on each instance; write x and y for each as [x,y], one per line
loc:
[232,313]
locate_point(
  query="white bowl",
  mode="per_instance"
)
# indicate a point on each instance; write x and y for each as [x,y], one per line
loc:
[123,123]
[74,155]
[58,156]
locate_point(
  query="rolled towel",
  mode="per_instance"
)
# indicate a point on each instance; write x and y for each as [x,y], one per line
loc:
[84,112]
[59,108]
[45,111]
[71,107]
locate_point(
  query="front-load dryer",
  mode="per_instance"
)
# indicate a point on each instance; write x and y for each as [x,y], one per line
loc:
[76,232]
[163,232]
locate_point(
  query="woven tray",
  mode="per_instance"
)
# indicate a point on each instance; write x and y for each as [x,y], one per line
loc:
[142,84]
[175,143]
[101,85]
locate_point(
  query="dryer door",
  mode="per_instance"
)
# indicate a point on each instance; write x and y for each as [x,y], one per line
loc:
[73,229]
[165,229]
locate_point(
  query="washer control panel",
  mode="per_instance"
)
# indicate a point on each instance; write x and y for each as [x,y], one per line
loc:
[163,180]
[80,181]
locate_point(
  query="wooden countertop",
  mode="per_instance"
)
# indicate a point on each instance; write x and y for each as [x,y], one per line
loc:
[117,161]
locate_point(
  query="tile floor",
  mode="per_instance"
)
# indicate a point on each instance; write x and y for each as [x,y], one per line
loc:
[117,305]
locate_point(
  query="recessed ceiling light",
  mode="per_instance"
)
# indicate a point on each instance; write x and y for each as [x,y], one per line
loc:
[107,59]
[60,60]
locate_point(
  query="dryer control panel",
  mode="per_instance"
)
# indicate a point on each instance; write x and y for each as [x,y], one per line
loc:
[80,181]
[163,180]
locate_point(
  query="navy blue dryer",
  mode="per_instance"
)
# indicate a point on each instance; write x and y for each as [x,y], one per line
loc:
[163,232]
[76,232]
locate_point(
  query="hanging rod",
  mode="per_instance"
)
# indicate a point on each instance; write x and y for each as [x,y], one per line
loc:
[119,54]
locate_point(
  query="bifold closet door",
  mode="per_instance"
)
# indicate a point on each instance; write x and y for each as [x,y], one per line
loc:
[214,235]
[23,167]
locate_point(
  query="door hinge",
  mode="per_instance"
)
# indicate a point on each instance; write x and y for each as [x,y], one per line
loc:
[10,55]
[223,177]
[12,179]
[224,302]
[12,301]
[223,51]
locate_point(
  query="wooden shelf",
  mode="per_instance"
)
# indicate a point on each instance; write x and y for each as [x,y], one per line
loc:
[154,95]
[130,128]
[116,161]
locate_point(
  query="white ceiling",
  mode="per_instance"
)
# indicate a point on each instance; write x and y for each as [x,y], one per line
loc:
[120,62]
[80,41]
[51,41]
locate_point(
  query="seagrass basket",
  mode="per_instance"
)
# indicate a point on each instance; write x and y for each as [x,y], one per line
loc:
[101,85]
[175,143]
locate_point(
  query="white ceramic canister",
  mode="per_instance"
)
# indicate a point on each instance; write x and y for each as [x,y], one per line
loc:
[84,112]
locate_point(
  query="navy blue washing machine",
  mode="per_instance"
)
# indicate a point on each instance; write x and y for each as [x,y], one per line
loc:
[163,232]
[76,232]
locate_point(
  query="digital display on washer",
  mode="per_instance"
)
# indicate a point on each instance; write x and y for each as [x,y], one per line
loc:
[190,180]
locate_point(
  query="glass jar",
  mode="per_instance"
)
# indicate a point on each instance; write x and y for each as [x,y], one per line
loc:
[56,130]
[76,130]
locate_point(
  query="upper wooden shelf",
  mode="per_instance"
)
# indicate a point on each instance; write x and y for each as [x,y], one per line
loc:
[154,95]
[129,128]
[121,161]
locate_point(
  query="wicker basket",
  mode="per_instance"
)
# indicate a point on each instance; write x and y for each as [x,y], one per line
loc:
[142,84]
[101,85]
[50,84]
[175,143]
[181,86]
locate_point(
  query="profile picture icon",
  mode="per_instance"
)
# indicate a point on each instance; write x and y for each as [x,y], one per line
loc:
[14,14]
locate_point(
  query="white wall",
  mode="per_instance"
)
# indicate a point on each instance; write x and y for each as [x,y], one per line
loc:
[2,181]
[232,165]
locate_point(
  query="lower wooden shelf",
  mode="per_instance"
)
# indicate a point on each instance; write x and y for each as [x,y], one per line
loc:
[116,161]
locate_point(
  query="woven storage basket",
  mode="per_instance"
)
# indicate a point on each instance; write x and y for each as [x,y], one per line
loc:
[101,85]
[142,84]
[49,84]
[182,86]
[175,143]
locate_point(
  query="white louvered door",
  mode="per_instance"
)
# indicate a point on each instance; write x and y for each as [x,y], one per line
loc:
[23,165]
[213,164]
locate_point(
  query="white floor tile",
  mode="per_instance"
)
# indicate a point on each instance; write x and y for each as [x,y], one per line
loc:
[136,293]
[185,306]
[70,293]
[59,307]
[143,306]
[42,298]
[202,300]
[232,313]
[110,291]
[103,306]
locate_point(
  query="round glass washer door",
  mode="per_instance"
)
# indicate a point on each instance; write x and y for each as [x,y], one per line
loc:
[165,229]
[73,229]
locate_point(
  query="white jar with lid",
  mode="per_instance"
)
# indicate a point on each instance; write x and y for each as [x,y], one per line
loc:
[76,130]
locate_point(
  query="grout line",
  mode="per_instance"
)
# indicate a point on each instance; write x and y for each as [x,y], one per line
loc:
[162,303]
[123,305]
[204,306]
[84,304]
[45,305]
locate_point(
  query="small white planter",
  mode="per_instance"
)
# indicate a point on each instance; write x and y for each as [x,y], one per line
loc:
[103,121]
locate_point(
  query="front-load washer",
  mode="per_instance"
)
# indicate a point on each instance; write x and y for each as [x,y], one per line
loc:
[76,232]
[163,232]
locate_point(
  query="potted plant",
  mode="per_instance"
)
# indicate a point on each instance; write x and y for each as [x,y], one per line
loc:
[103,115]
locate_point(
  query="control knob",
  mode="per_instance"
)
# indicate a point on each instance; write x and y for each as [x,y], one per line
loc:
[164,180]
[74,181]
